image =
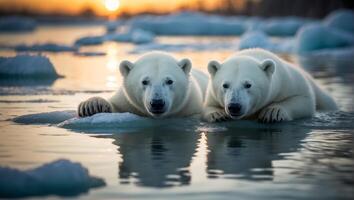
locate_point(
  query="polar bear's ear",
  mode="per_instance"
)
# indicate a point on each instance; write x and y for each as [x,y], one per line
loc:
[268,66]
[125,67]
[213,67]
[185,65]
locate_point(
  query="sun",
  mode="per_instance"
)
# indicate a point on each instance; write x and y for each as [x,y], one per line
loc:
[112,5]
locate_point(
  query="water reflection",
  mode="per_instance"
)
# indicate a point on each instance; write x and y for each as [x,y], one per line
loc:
[156,158]
[249,153]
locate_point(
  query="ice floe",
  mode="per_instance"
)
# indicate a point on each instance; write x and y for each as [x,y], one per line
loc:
[27,66]
[60,177]
[136,36]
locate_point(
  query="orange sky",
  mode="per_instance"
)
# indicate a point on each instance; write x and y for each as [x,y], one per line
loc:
[75,6]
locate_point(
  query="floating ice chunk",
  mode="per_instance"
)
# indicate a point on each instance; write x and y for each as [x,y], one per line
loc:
[90,53]
[46,118]
[90,40]
[45,47]
[283,26]
[17,24]
[61,177]
[136,36]
[27,66]
[104,120]
[258,39]
[317,36]
[342,20]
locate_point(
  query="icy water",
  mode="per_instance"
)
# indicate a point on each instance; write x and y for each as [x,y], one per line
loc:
[178,158]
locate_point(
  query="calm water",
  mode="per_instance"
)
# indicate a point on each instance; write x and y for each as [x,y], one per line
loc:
[178,158]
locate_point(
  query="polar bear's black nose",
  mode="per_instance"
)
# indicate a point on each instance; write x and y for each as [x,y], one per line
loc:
[234,108]
[157,104]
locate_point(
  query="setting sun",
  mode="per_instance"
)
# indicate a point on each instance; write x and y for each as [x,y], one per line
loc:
[111,5]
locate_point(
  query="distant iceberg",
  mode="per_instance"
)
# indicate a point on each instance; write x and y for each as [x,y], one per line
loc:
[317,37]
[342,20]
[286,26]
[17,24]
[27,66]
[188,23]
[61,177]
[333,37]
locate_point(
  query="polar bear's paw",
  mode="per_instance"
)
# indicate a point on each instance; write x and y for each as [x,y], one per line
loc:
[216,116]
[273,114]
[94,105]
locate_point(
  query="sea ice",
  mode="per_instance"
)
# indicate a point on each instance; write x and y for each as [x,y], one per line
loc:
[46,118]
[27,66]
[61,177]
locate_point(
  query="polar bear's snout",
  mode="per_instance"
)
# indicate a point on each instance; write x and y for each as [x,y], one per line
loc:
[234,109]
[157,106]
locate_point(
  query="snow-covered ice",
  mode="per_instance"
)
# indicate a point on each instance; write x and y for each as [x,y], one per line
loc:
[60,177]
[17,24]
[101,122]
[50,118]
[51,47]
[104,120]
[27,66]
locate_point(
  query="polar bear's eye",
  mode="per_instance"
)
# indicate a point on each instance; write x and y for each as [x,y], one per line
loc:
[169,82]
[225,85]
[145,82]
[248,85]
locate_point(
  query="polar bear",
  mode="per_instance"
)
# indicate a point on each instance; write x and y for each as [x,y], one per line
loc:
[156,85]
[255,83]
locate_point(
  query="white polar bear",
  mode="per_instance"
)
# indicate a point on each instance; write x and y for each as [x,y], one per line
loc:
[156,85]
[256,83]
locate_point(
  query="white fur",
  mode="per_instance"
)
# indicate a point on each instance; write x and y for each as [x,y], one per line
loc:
[279,90]
[184,97]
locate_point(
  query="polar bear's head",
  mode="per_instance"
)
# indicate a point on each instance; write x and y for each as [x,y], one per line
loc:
[241,84]
[156,84]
